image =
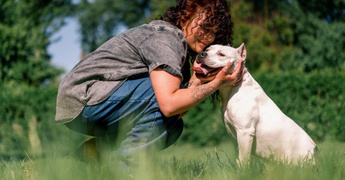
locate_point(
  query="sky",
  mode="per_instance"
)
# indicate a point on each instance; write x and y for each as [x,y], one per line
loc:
[66,51]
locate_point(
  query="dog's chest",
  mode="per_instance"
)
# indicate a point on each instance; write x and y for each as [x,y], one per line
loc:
[240,103]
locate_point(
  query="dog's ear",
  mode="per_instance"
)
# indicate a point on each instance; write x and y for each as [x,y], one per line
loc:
[242,51]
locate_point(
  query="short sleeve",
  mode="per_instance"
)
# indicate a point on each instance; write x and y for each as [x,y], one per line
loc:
[165,48]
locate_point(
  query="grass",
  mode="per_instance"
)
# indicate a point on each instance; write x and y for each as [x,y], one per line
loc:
[183,162]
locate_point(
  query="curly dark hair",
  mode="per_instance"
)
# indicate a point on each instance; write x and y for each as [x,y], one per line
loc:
[218,15]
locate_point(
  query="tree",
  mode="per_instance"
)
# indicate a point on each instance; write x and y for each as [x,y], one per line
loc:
[102,19]
[28,81]
[318,40]
[25,28]
[265,30]
[291,35]
[331,11]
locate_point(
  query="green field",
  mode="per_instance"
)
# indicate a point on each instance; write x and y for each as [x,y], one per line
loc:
[183,162]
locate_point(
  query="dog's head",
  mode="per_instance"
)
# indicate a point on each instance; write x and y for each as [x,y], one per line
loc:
[214,58]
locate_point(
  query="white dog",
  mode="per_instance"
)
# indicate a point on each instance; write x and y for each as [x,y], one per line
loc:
[251,117]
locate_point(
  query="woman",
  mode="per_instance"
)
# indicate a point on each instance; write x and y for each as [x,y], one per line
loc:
[129,90]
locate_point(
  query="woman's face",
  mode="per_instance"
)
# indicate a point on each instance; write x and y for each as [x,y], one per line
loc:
[195,34]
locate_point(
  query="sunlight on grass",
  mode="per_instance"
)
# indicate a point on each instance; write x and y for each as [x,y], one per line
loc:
[182,162]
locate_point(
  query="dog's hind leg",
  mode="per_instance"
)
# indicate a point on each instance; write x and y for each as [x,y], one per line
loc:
[245,138]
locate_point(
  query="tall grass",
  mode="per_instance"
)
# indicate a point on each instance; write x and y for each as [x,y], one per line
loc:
[182,162]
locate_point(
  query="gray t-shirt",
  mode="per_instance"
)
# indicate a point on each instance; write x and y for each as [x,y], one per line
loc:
[132,54]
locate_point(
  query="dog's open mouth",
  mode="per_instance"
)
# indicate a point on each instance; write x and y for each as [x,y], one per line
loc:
[206,71]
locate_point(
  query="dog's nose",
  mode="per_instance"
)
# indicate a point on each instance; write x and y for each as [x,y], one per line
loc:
[203,54]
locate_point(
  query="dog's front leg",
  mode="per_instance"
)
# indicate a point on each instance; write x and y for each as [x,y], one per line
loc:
[245,139]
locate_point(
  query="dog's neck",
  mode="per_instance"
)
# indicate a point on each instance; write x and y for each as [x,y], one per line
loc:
[227,92]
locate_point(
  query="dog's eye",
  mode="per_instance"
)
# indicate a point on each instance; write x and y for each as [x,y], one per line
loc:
[221,54]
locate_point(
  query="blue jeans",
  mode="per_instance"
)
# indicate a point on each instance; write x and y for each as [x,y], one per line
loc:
[130,121]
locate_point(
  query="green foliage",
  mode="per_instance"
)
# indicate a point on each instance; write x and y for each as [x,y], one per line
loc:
[291,35]
[21,103]
[203,125]
[158,7]
[25,28]
[265,32]
[27,89]
[315,101]
[102,19]
[319,42]
[323,9]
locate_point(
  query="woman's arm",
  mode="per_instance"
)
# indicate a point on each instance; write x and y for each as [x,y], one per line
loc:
[172,100]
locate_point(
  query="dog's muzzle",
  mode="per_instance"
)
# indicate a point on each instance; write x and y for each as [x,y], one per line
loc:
[203,69]
[201,55]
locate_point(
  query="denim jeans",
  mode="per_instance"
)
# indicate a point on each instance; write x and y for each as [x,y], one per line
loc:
[130,121]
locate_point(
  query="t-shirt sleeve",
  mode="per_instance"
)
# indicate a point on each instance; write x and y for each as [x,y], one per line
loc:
[165,48]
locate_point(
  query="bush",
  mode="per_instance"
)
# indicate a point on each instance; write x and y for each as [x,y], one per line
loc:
[26,119]
[203,125]
[315,101]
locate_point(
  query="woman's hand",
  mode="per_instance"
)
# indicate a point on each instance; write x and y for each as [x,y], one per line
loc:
[234,78]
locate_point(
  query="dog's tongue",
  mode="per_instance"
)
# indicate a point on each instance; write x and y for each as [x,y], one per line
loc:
[201,70]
